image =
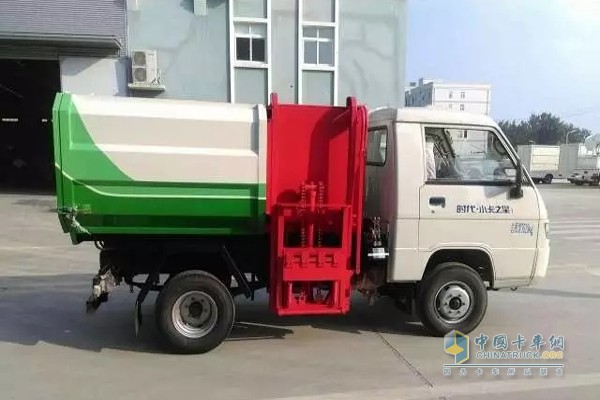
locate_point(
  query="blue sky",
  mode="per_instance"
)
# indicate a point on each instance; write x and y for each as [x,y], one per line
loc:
[539,55]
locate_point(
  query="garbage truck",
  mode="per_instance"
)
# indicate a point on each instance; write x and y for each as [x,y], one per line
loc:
[205,201]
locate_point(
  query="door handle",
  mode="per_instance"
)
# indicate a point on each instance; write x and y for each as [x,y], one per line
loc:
[437,201]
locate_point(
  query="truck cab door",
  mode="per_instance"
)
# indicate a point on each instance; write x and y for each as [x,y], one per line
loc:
[466,201]
[380,176]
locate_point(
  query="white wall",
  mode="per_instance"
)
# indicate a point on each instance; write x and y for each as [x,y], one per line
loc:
[89,75]
[448,96]
[443,94]
[477,108]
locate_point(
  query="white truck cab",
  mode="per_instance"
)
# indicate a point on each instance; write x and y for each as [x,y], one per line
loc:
[462,215]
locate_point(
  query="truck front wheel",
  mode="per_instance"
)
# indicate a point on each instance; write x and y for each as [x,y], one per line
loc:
[452,297]
[194,312]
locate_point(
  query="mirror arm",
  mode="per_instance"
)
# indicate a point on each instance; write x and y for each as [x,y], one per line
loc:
[516,192]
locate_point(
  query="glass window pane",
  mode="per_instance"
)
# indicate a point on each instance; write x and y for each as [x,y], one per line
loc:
[317,87]
[258,50]
[310,52]
[259,30]
[318,10]
[377,146]
[310,31]
[250,8]
[241,28]
[467,155]
[325,53]
[251,85]
[326,33]
[242,49]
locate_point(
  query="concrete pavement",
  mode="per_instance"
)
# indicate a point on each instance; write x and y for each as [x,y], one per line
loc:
[49,347]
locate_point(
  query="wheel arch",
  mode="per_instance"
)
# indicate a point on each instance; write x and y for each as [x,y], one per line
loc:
[478,259]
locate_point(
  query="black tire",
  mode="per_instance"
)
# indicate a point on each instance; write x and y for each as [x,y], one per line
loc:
[548,179]
[451,275]
[215,298]
[579,183]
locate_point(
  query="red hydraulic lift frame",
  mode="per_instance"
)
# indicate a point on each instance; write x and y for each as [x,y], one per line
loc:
[315,187]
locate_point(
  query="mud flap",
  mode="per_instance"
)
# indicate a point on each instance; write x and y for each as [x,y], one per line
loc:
[150,283]
[138,316]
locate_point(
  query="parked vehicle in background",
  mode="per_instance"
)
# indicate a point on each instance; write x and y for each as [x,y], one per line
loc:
[585,177]
[569,157]
[541,161]
[582,162]
[588,171]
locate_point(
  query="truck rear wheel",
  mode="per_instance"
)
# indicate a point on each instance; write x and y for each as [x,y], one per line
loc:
[194,312]
[452,297]
[548,179]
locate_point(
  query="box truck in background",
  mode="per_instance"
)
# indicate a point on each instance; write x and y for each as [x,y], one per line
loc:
[541,161]
[569,156]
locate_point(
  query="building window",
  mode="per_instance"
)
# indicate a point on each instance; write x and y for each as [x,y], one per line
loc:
[250,77]
[462,107]
[318,37]
[250,42]
[450,95]
[318,45]
[462,95]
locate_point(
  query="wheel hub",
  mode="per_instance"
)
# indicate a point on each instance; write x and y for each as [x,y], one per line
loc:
[195,309]
[453,302]
[194,314]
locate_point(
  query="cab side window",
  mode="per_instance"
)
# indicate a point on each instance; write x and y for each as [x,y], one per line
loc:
[377,146]
[466,156]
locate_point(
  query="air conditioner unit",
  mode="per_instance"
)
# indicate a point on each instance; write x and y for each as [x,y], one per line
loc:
[144,68]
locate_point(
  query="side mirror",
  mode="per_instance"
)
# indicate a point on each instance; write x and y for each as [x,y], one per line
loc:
[516,191]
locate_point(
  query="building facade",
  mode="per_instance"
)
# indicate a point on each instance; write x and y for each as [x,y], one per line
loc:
[307,51]
[475,98]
